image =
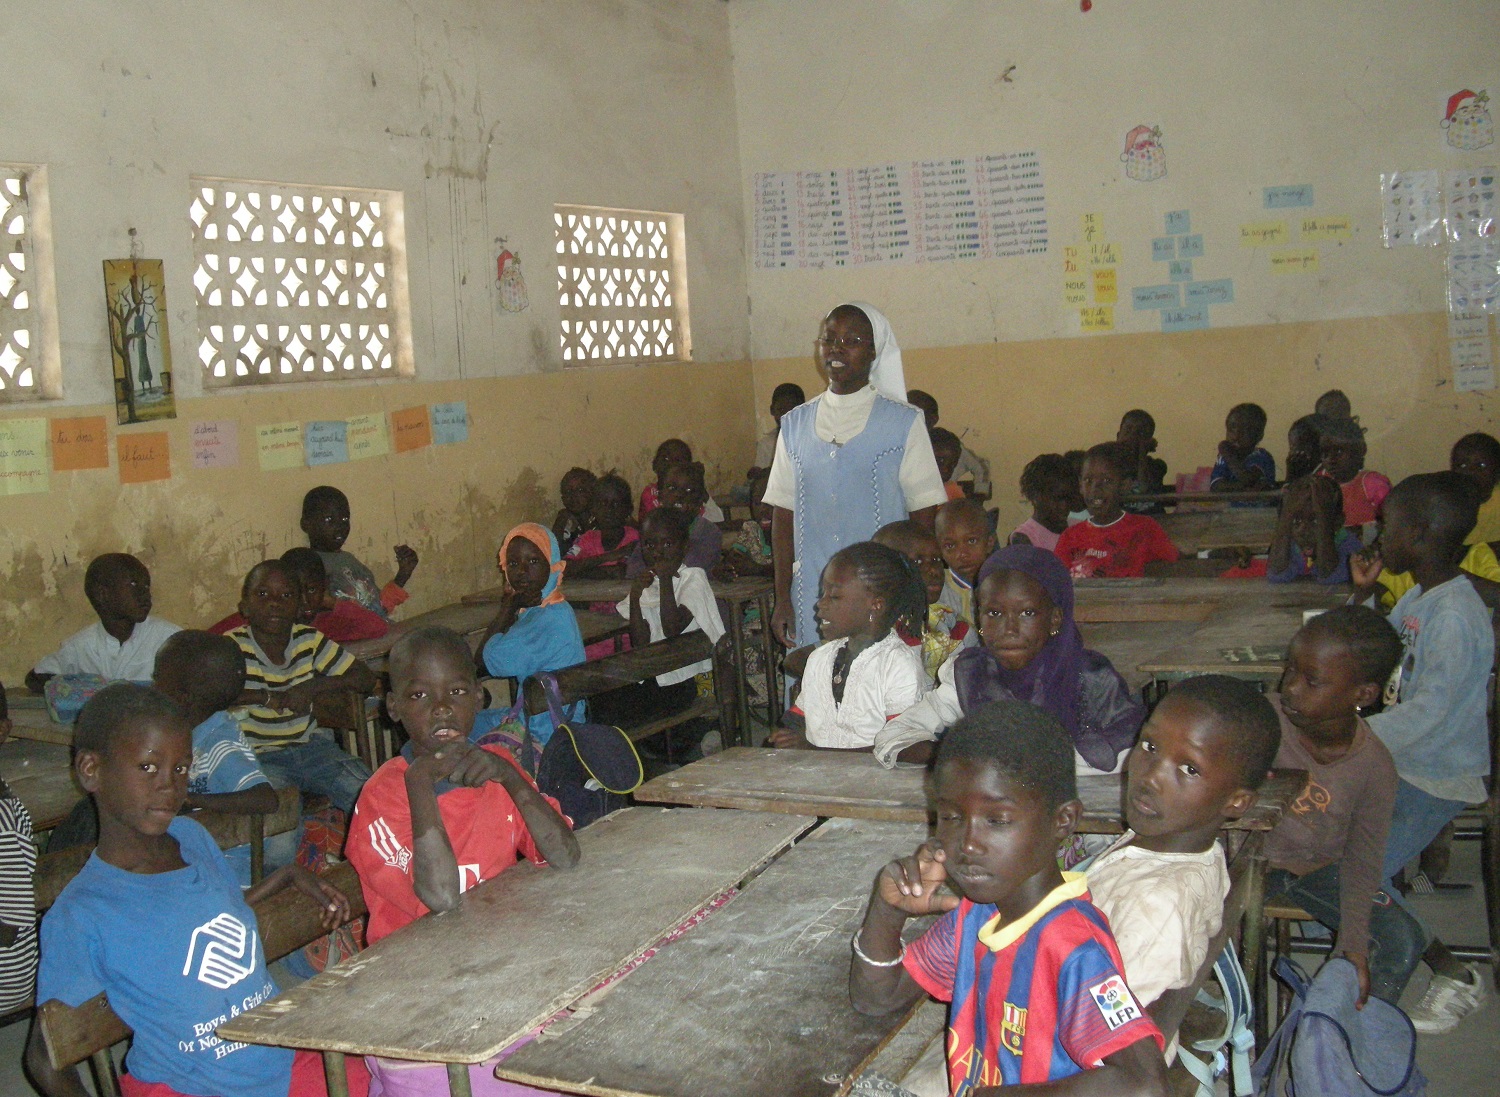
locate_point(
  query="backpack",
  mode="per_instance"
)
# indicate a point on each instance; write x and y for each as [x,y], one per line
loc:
[1325,1045]
[1228,1050]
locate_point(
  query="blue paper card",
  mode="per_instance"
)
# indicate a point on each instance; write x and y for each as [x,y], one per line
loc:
[1155,297]
[1188,319]
[1218,292]
[1180,270]
[1289,197]
[327,442]
[1190,247]
[1164,247]
[1178,222]
[450,423]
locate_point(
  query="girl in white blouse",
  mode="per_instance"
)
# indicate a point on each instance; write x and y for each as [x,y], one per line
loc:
[864,673]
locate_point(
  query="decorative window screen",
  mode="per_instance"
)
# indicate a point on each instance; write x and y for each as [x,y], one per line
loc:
[298,283]
[622,285]
[29,364]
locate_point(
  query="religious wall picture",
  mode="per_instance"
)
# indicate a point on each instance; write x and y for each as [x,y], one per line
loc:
[135,297]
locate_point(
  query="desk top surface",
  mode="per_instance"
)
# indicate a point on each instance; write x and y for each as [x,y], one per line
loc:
[470,620]
[1195,531]
[461,986]
[854,786]
[769,970]
[41,776]
[583,591]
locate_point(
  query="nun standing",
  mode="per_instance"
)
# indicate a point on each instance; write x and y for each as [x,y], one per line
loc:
[852,459]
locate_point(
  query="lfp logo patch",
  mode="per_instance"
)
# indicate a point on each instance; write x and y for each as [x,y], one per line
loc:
[1116,1004]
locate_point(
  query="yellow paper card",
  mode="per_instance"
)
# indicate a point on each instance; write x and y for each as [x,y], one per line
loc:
[23,456]
[368,437]
[1102,255]
[1326,228]
[279,446]
[1075,291]
[1098,318]
[144,457]
[1261,234]
[1070,260]
[1093,227]
[1106,288]
[1294,260]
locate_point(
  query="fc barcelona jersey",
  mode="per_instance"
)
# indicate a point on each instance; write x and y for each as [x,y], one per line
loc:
[1041,999]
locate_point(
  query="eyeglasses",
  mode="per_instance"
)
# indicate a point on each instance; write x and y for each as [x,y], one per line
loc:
[847,342]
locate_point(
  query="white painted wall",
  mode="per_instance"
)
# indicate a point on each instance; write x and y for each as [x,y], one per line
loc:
[484,112]
[1248,95]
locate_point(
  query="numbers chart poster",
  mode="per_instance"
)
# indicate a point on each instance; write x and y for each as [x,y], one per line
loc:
[920,211]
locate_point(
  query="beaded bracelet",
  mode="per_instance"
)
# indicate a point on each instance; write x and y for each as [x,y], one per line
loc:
[854,943]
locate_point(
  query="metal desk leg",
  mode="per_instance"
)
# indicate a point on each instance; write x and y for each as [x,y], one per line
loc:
[334,1074]
[1253,956]
[257,848]
[458,1080]
[768,647]
[741,683]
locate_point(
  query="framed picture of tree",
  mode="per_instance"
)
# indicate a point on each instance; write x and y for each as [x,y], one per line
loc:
[135,298]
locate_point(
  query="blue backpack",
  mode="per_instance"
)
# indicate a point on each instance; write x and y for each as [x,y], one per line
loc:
[1228,1050]
[1327,1046]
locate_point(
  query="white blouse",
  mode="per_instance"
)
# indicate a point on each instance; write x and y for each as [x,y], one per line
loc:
[885,679]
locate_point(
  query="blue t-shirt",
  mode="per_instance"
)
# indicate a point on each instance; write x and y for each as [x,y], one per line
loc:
[178,953]
[1258,459]
[222,760]
[1304,565]
[543,638]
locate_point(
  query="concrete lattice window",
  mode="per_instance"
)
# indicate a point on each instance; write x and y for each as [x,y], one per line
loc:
[297,283]
[30,365]
[622,285]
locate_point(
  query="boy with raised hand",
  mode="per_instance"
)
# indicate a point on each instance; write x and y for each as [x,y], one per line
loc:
[156,920]
[325,520]
[1437,729]
[1037,989]
[122,644]
[1242,464]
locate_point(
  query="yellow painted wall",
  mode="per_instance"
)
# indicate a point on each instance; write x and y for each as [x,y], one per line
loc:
[1248,96]
[483,113]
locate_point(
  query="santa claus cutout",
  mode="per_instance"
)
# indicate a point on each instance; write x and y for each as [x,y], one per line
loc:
[1144,157]
[1468,120]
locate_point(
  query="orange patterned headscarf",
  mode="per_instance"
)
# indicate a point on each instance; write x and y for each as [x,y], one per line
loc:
[546,544]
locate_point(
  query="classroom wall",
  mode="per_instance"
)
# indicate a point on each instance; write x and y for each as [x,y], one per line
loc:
[1247,96]
[483,113]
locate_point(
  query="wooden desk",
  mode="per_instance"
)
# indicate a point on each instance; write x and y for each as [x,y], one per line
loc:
[470,620]
[461,986]
[1195,531]
[846,785]
[737,593]
[30,720]
[41,776]
[754,1001]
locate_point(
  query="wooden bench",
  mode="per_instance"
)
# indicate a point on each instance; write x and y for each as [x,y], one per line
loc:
[55,870]
[288,920]
[628,667]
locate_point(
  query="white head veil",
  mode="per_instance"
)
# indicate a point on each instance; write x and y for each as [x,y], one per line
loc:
[886,374]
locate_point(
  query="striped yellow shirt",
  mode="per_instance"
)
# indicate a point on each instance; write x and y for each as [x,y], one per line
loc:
[308,653]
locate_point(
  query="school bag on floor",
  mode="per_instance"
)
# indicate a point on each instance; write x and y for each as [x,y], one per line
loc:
[1326,1046]
[1227,1051]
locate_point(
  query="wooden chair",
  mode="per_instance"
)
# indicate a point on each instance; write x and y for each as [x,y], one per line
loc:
[288,920]
[627,668]
[356,718]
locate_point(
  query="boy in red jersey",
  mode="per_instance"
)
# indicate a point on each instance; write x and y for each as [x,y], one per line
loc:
[1036,985]
[1112,544]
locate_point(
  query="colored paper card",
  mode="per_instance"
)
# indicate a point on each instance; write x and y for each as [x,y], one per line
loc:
[1097,318]
[80,444]
[216,444]
[144,457]
[1106,286]
[1156,297]
[1326,228]
[450,423]
[1163,247]
[1220,291]
[23,456]
[1260,234]
[1188,319]
[1104,255]
[1190,247]
[1075,291]
[368,437]
[1294,260]
[1180,270]
[1093,227]
[1179,222]
[1464,325]
[1071,260]
[279,446]
[326,442]
[1470,352]
[1289,197]
[410,429]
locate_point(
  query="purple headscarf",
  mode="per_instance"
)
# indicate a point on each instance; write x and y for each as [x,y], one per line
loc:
[1053,680]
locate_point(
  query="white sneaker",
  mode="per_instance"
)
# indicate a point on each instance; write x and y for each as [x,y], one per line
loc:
[1447,1002]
